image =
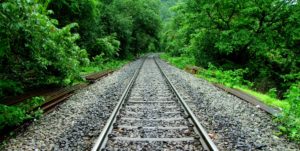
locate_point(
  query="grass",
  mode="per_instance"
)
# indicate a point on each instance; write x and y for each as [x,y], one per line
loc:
[283,105]
[110,65]
[180,62]
[224,78]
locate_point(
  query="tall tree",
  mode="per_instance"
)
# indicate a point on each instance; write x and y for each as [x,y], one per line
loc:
[241,34]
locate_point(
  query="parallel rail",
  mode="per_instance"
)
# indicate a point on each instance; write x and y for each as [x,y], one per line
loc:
[204,138]
[100,142]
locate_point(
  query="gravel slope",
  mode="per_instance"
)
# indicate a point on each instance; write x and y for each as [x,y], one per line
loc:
[75,124]
[233,123]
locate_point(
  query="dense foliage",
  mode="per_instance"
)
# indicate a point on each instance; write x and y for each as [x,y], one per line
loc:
[165,9]
[33,50]
[257,38]
[15,115]
[136,24]
[259,35]
[86,13]
[45,42]
[114,28]
[291,118]
[52,42]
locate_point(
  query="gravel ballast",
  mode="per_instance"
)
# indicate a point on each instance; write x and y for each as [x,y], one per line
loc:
[75,124]
[232,123]
[152,118]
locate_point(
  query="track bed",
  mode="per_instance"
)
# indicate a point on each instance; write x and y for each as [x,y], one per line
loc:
[151,117]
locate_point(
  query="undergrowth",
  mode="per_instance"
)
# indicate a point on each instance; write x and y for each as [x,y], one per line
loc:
[98,67]
[17,114]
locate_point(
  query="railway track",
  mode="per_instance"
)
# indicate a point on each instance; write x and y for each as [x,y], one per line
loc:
[151,115]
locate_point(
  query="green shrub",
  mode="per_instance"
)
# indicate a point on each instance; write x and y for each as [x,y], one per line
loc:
[213,74]
[31,104]
[272,93]
[10,87]
[15,115]
[10,116]
[86,13]
[202,48]
[181,62]
[108,46]
[290,120]
[100,64]
[227,77]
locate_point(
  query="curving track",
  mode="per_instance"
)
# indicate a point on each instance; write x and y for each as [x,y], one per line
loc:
[151,115]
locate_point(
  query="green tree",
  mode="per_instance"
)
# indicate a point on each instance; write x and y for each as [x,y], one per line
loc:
[259,35]
[136,24]
[33,50]
[86,13]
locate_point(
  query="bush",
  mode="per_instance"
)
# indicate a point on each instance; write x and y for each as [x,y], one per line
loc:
[86,13]
[227,77]
[15,115]
[290,120]
[10,87]
[202,46]
[10,116]
[180,62]
[108,46]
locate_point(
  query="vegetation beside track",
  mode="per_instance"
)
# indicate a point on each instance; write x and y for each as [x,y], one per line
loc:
[233,78]
[103,66]
[29,109]
[53,43]
[50,42]
[15,115]
[250,43]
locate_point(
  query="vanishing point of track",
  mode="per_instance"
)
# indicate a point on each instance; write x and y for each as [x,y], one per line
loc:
[152,115]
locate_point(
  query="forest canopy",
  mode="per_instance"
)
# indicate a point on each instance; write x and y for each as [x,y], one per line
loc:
[258,40]
[45,42]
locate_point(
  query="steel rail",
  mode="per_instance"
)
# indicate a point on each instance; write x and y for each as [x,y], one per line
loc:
[103,137]
[206,141]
